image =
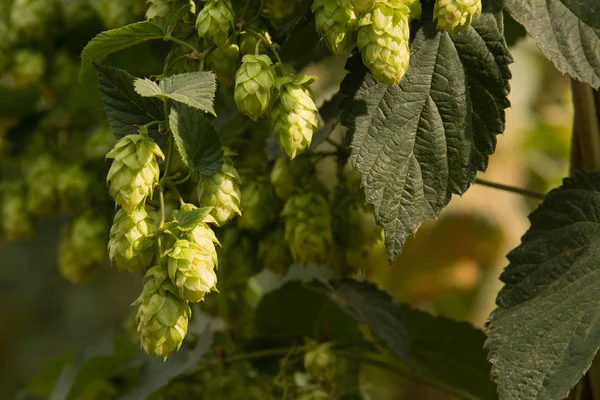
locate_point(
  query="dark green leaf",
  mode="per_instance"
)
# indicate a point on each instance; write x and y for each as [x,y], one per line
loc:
[188,220]
[196,139]
[108,42]
[444,353]
[419,142]
[567,32]
[545,332]
[125,108]
[157,373]
[196,89]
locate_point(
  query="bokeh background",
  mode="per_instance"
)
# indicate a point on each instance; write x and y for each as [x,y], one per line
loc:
[450,268]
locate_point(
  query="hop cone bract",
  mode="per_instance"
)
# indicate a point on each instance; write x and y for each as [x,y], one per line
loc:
[455,15]
[134,171]
[83,247]
[216,21]
[335,20]
[259,206]
[162,317]
[362,6]
[129,244]
[308,227]
[295,115]
[254,83]
[221,191]
[192,270]
[383,41]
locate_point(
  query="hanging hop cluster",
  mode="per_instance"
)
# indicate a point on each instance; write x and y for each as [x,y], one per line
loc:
[454,16]
[335,21]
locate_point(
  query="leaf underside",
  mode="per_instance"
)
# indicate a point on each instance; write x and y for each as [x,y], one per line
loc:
[421,141]
[546,330]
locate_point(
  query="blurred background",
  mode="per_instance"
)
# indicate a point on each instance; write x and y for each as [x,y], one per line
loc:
[450,268]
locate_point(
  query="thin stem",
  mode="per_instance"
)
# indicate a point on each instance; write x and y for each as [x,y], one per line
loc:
[170,65]
[161,196]
[165,176]
[184,180]
[512,189]
[181,42]
[172,186]
[268,43]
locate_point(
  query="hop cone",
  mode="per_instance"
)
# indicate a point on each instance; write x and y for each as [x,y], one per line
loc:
[335,21]
[221,191]
[259,205]
[129,244]
[83,247]
[202,235]
[320,362]
[29,67]
[254,83]
[162,317]
[362,6]
[216,22]
[308,227]
[192,270]
[286,175]
[274,253]
[15,220]
[31,19]
[74,187]
[383,39]
[134,171]
[295,115]
[224,61]
[455,15]
[42,186]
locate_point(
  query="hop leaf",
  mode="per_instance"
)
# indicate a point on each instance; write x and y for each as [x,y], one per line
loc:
[15,220]
[162,317]
[259,205]
[294,115]
[455,15]
[134,171]
[383,39]
[221,191]
[130,245]
[192,270]
[41,182]
[224,61]
[335,21]
[83,247]
[320,361]
[254,83]
[216,21]
[308,227]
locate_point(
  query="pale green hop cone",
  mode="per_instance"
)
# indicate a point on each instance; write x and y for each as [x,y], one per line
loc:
[308,227]
[287,175]
[216,21]
[15,220]
[73,186]
[192,270]
[83,247]
[134,171]
[455,15]
[383,41]
[202,234]
[130,244]
[335,21]
[259,206]
[221,191]
[254,82]
[224,61]
[162,317]
[320,361]
[41,179]
[294,114]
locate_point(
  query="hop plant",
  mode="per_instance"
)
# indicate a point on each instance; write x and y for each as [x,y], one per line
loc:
[454,16]
[224,61]
[274,253]
[286,175]
[308,227]
[362,6]
[162,317]
[221,191]
[15,220]
[335,20]
[254,83]
[248,41]
[41,182]
[163,8]
[216,22]
[294,114]
[320,361]
[134,171]
[115,14]
[29,67]
[202,235]
[73,187]
[192,270]
[31,19]
[130,244]
[383,39]
[259,205]
[83,247]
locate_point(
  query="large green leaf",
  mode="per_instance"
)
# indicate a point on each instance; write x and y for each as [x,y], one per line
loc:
[196,89]
[567,32]
[419,142]
[108,42]
[441,352]
[125,108]
[196,139]
[546,330]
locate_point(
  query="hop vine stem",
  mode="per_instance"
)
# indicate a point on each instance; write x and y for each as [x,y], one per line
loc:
[512,189]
